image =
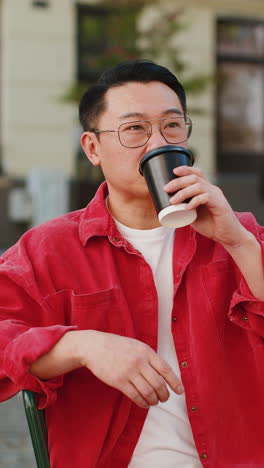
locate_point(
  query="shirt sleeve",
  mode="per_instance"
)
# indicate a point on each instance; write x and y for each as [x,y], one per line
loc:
[246,310]
[29,328]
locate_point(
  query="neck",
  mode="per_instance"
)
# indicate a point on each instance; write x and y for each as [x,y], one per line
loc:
[134,213]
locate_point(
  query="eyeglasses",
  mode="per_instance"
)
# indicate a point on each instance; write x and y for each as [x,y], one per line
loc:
[137,133]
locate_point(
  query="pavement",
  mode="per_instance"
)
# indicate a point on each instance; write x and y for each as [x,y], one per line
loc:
[15,443]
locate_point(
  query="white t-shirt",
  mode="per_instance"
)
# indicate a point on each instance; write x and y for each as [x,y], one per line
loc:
[166,440]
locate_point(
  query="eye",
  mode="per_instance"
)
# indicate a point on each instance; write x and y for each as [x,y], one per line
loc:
[173,124]
[136,127]
[133,127]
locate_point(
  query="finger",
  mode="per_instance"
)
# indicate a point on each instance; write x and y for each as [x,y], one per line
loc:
[132,392]
[199,200]
[157,383]
[181,182]
[146,390]
[186,170]
[187,192]
[165,370]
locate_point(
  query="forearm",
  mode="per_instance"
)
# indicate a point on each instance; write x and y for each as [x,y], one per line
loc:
[248,257]
[62,358]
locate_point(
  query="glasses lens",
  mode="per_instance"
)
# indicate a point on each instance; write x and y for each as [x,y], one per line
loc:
[134,134]
[177,129]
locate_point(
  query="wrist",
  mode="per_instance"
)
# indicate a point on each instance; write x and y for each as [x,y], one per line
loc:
[81,345]
[244,239]
[62,358]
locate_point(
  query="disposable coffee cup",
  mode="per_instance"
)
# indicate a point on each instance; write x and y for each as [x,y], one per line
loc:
[157,167]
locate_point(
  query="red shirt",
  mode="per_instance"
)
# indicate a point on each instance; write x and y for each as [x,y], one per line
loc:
[77,272]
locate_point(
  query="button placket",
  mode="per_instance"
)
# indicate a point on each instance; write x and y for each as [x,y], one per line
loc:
[116,241]
[192,400]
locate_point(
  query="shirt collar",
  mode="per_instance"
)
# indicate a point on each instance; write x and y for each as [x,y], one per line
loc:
[96,219]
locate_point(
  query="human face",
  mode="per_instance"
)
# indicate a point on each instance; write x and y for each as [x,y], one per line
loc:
[126,103]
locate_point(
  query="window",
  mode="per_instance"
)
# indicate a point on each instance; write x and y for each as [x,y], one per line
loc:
[106,36]
[240,119]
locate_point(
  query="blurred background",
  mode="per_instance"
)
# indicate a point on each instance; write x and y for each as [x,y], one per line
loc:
[51,50]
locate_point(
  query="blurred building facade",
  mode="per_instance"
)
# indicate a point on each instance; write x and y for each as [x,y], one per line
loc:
[42,53]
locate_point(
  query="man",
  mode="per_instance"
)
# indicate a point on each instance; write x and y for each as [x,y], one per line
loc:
[144,345]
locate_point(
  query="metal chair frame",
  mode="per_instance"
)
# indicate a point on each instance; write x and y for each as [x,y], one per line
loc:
[37,428]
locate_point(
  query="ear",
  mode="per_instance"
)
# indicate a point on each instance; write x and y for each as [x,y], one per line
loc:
[90,145]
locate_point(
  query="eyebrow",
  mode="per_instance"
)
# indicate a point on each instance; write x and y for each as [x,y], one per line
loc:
[172,110]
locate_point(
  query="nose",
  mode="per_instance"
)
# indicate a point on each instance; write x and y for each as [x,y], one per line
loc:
[156,139]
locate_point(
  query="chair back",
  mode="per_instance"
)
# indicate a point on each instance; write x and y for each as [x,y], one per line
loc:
[37,428]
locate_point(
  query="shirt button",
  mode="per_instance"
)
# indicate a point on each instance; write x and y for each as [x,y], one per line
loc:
[174,319]
[116,239]
[203,456]
[245,318]
[194,408]
[184,364]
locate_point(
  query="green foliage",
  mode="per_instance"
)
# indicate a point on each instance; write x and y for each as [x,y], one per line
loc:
[111,35]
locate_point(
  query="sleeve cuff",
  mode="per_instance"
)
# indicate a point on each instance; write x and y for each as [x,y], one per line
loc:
[246,310]
[24,350]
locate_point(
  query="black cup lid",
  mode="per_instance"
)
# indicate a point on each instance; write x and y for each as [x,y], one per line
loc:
[164,149]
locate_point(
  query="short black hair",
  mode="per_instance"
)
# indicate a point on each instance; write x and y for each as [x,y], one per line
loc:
[92,103]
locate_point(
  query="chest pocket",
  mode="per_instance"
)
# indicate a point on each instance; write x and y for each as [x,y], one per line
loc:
[219,281]
[219,284]
[104,311]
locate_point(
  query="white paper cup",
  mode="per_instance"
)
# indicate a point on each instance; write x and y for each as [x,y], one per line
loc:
[175,216]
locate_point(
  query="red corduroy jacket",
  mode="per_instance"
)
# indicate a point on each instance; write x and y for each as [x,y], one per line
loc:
[77,272]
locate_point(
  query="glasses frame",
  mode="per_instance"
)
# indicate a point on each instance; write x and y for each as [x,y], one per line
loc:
[187,120]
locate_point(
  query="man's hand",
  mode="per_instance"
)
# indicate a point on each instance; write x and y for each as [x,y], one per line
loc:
[127,365]
[216,219]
